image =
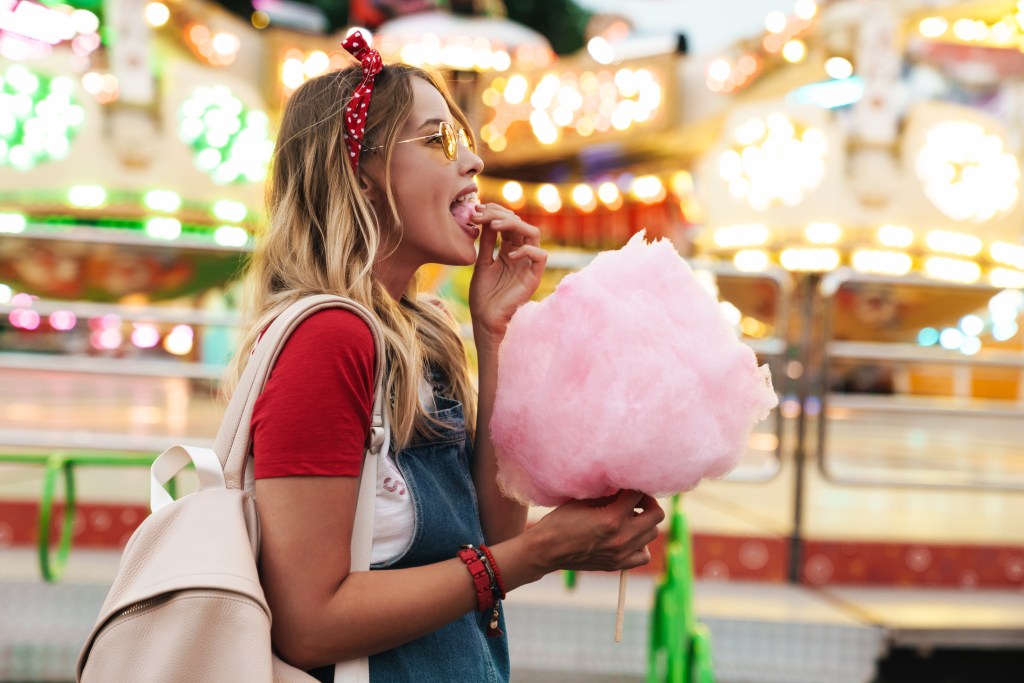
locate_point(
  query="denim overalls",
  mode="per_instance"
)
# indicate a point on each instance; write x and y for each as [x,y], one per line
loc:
[437,475]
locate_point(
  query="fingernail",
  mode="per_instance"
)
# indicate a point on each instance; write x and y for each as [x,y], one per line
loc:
[496,223]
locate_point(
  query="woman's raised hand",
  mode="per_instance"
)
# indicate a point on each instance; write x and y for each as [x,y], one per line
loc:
[585,535]
[504,281]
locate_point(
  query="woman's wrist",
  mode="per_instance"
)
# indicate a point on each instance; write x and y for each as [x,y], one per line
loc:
[488,336]
[544,548]
[522,559]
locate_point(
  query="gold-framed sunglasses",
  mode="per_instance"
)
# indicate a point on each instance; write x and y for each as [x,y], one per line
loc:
[448,135]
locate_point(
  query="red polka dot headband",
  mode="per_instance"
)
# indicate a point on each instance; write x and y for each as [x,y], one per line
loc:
[355,112]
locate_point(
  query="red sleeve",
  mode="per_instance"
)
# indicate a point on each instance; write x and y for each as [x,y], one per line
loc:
[313,416]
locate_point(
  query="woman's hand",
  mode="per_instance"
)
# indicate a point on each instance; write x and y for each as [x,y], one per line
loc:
[504,282]
[586,536]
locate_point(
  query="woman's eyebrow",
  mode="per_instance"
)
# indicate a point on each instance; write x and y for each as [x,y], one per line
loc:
[433,123]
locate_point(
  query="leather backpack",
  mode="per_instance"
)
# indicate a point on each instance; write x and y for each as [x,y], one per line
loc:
[186,604]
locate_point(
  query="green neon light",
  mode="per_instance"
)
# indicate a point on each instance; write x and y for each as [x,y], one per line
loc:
[163,200]
[229,141]
[38,117]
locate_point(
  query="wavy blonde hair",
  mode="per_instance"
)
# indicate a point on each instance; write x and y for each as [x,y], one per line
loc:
[324,236]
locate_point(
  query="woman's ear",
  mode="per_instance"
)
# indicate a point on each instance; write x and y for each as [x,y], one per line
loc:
[369,191]
[366,185]
[369,184]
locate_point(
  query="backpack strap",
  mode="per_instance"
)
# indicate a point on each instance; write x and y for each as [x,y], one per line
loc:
[234,441]
[174,460]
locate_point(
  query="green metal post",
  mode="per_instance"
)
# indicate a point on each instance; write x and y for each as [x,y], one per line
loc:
[680,647]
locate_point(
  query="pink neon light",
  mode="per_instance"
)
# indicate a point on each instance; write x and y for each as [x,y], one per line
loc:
[63,320]
[22,300]
[24,319]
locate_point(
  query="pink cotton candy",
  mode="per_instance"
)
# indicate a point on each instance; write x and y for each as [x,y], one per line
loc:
[462,209]
[626,377]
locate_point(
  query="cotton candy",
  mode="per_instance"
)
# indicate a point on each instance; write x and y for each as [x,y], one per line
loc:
[462,210]
[626,377]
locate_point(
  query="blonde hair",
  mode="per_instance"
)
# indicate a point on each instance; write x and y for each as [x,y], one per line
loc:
[324,237]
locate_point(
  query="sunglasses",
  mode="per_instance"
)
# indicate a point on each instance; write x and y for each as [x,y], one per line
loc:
[449,137]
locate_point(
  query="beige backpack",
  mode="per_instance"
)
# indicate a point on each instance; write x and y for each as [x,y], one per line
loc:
[186,604]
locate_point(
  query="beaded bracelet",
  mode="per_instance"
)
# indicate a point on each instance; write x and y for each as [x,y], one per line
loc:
[494,567]
[489,590]
[482,577]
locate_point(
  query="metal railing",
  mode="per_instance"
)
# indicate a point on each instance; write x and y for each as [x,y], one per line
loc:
[68,452]
[151,314]
[125,366]
[60,467]
[943,411]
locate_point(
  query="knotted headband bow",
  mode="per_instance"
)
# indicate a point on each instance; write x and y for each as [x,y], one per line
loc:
[355,112]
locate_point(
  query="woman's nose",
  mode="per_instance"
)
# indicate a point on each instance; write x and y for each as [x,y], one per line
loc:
[471,163]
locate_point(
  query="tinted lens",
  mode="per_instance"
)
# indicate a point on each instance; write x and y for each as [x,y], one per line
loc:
[449,141]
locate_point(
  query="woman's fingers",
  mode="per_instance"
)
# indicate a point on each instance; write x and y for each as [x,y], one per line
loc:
[488,213]
[610,534]
[626,501]
[637,529]
[491,211]
[642,527]
[637,559]
[537,256]
[485,253]
[648,536]
[515,230]
[651,510]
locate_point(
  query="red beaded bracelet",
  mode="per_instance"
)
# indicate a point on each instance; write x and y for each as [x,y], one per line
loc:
[485,598]
[494,568]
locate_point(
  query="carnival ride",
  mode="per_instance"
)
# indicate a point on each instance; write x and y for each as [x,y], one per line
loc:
[848,182]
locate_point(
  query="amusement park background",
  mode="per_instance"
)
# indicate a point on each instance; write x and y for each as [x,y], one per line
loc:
[845,176]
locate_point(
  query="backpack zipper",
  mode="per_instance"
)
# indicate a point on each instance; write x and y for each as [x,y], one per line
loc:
[139,606]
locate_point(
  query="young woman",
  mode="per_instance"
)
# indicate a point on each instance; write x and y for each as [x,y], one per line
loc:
[373,178]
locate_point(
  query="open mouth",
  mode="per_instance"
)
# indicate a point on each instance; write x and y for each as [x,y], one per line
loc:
[462,210]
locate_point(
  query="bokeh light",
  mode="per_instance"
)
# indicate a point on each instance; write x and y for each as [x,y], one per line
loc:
[967,172]
[229,141]
[773,161]
[38,117]
[179,340]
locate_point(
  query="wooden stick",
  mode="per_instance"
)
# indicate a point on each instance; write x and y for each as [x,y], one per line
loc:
[620,612]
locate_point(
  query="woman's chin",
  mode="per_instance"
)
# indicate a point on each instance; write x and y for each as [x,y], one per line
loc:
[469,258]
[458,257]
[467,244]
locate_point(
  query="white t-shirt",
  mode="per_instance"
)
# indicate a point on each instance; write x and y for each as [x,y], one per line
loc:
[394,518]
